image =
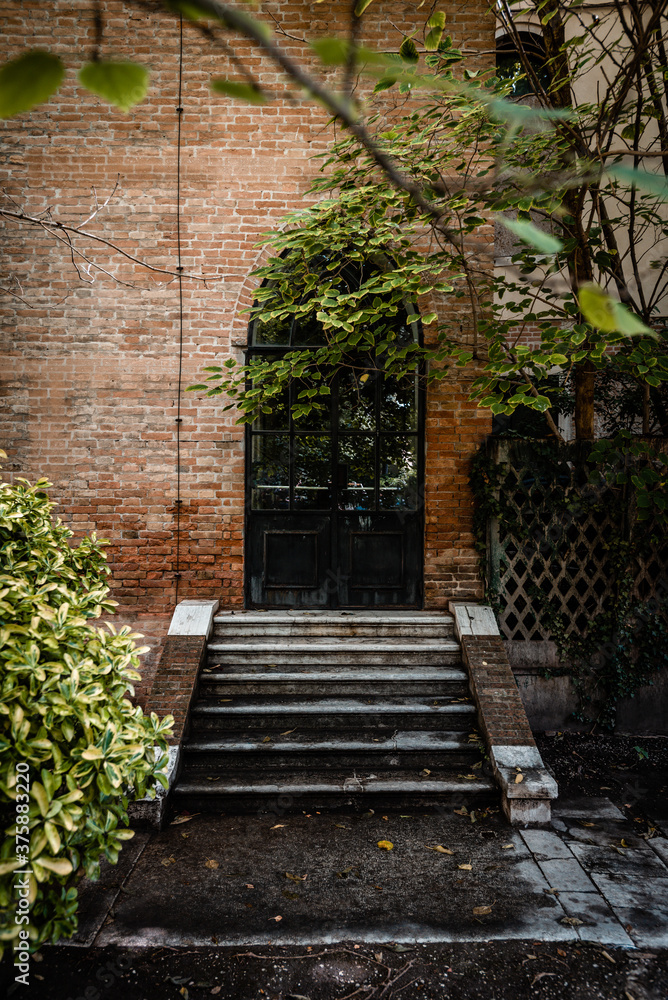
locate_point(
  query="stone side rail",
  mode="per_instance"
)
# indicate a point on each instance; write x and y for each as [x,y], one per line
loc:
[173,692]
[527,788]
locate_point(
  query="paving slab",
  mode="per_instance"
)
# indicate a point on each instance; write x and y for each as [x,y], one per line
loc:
[660,846]
[594,809]
[545,844]
[641,905]
[599,923]
[567,875]
[620,861]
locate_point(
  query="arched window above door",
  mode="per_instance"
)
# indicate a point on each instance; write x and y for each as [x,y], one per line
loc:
[298,330]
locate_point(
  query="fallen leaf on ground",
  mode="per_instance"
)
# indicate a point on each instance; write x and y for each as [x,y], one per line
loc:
[277,826]
[213,777]
[184,993]
[184,818]
[606,954]
[479,764]
[572,921]
[386,818]
[378,956]
[347,871]
[539,975]
[440,849]
[276,918]
[341,826]
[623,843]
[215,990]
[168,861]
[482,911]
[551,892]
[267,739]
[466,868]
[629,996]
[211,863]
[288,731]
[425,770]
[185,835]
[518,778]
[249,885]
[386,845]
[290,895]
[507,847]
[405,816]
[462,812]
[295,878]
[560,951]
[584,822]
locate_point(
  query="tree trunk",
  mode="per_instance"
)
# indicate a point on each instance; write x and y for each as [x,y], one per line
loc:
[584,401]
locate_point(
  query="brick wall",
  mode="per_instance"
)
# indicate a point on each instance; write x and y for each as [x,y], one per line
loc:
[89,365]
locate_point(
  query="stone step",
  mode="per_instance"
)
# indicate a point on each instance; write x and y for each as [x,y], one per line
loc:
[379,681]
[329,790]
[213,765]
[379,624]
[331,714]
[308,741]
[320,653]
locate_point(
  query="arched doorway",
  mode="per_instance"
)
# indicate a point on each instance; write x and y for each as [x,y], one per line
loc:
[334,500]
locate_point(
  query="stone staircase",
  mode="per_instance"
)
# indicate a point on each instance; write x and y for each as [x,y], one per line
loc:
[303,710]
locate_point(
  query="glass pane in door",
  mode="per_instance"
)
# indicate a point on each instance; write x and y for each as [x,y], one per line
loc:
[398,404]
[313,472]
[270,472]
[356,472]
[398,472]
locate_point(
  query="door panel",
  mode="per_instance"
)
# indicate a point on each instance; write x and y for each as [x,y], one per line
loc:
[289,558]
[380,560]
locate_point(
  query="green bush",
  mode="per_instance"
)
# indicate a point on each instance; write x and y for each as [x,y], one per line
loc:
[63,713]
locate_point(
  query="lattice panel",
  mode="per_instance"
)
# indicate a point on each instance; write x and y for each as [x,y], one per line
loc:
[558,548]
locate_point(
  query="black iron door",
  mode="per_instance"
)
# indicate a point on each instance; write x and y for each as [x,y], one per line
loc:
[334,512]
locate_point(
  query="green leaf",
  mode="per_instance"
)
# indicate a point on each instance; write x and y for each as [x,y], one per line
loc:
[540,403]
[240,91]
[408,51]
[532,235]
[644,181]
[361,6]
[122,84]
[29,80]
[608,315]
[433,38]
[332,51]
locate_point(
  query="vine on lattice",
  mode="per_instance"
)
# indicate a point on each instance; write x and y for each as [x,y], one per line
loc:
[575,549]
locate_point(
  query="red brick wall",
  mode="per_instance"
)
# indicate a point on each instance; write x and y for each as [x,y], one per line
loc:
[89,369]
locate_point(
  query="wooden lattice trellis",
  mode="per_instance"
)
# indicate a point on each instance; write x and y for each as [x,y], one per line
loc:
[552,546]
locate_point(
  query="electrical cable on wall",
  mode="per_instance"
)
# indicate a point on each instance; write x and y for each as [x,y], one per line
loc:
[179,116]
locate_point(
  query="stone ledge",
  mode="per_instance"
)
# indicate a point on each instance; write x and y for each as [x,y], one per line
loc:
[173,693]
[502,718]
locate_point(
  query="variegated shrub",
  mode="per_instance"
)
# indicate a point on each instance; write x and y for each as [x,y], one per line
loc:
[65,713]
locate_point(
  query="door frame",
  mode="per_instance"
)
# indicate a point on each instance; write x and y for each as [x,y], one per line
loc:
[334,513]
